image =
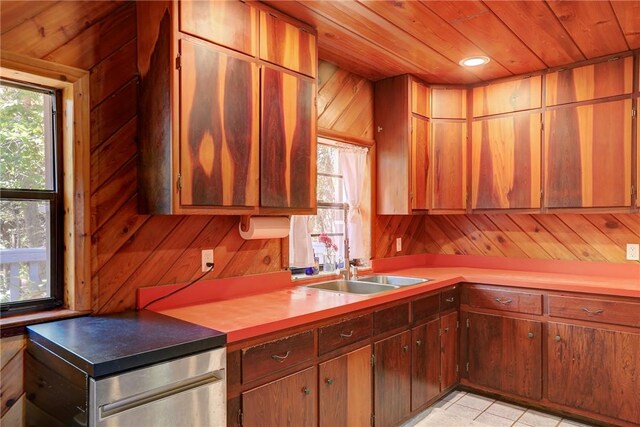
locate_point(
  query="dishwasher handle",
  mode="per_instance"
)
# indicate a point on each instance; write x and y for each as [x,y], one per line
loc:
[150,396]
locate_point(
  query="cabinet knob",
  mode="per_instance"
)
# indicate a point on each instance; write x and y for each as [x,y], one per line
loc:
[405,348]
[446,330]
[557,338]
[379,129]
[306,391]
[419,343]
[530,334]
[329,381]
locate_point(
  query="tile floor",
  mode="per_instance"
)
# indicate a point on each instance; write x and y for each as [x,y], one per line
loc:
[462,409]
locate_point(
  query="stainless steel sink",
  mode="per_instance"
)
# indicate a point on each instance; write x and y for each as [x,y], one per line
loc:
[393,280]
[353,287]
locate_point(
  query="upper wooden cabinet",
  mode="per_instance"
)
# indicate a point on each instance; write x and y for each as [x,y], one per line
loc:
[508,96]
[288,141]
[220,131]
[588,155]
[610,78]
[506,162]
[402,146]
[231,24]
[288,45]
[448,103]
[419,98]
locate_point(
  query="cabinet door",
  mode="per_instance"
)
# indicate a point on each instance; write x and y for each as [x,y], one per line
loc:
[345,390]
[218,128]
[506,162]
[288,145]
[232,24]
[419,163]
[290,401]
[588,155]
[287,45]
[425,363]
[449,166]
[392,387]
[505,354]
[420,98]
[449,350]
[594,369]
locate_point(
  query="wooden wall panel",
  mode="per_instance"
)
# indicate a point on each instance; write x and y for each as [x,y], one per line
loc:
[345,102]
[574,237]
[588,155]
[12,384]
[506,97]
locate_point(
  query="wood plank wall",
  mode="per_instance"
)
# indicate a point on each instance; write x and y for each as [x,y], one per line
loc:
[588,237]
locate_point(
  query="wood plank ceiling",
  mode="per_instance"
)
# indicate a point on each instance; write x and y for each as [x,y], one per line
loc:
[378,39]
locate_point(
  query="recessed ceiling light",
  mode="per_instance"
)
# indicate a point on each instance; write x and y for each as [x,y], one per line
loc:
[474,61]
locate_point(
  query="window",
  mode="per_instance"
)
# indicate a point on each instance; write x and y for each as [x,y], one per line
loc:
[328,229]
[30,198]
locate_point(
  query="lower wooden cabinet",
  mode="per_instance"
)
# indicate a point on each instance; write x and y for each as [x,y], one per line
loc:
[345,390]
[290,401]
[505,354]
[449,350]
[392,379]
[425,363]
[594,369]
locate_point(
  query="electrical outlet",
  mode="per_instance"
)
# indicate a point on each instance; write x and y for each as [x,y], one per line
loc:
[207,257]
[399,244]
[633,252]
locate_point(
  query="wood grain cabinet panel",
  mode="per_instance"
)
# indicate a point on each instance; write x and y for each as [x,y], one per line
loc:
[218,128]
[290,401]
[505,300]
[425,363]
[593,81]
[510,358]
[449,350]
[288,144]
[425,308]
[588,156]
[448,172]
[287,45]
[505,162]
[390,318]
[420,98]
[345,390]
[346,332]
[392,379]
[231,24]
[595,310]
[593,369]
[419,163]
[448,103]
[507,97]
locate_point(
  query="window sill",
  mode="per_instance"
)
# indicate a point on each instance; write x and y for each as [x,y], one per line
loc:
[15,324]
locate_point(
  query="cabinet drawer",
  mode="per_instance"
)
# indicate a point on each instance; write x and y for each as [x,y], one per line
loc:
[342,333]
[450,299]
[425,308]
[390,318]
[505,300]
[595,310]
[276,355]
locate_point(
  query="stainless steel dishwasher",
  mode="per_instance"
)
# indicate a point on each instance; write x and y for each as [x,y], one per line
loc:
[136,369]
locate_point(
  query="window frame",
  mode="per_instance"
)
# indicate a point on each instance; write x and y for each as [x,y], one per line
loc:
[56,208]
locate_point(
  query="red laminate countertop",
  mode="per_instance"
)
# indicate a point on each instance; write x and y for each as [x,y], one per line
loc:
[253,315]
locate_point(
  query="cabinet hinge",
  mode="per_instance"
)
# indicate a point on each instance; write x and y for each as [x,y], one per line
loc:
[634,112]
[178,62]
[467,322]
[467,366]
[440,332]
[373,360]
[239,417]
[373,420]
[457,324]
[457,368]
[179,182]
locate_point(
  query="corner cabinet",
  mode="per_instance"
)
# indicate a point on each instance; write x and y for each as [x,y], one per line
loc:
[402,125]
[222,130]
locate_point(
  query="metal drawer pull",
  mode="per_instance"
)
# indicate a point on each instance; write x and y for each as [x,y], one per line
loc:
[329,381]
[419,343]
[280,358]
[306,391]
[450,299]
[504,301]
[530,334]
[592,313]
[349,335]
[557,338]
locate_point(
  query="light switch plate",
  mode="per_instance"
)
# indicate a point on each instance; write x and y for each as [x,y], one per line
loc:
[633,252]
[399,244]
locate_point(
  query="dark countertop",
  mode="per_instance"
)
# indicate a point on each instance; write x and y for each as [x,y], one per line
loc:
[105,345]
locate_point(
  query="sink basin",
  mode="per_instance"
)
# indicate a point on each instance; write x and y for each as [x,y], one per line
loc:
[393,280]
[353,287]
